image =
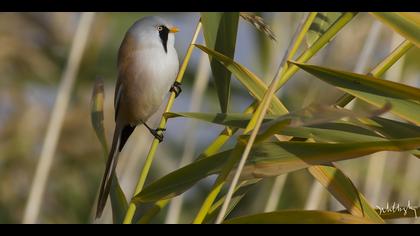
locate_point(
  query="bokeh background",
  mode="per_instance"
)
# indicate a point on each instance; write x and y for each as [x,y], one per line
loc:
[34,48]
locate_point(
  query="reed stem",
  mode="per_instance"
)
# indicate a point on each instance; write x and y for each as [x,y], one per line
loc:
[49,146]
[152,151]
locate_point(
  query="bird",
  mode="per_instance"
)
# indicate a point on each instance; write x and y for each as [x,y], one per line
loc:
[147,67]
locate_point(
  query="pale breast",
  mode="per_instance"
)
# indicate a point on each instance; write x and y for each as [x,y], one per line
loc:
[148,77]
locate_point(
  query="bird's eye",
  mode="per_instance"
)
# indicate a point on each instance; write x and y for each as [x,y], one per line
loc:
[160,28]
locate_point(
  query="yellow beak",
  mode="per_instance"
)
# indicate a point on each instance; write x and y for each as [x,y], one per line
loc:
[174,29]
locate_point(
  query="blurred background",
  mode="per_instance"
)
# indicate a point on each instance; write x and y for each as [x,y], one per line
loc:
[34,49]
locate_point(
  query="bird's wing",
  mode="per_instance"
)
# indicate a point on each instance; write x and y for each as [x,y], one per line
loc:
[117,97]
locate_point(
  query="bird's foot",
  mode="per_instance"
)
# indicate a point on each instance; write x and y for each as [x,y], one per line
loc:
[156,134]
[176,88]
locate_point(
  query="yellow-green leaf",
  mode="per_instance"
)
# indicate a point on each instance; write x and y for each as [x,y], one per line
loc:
[269,159]
[392,128]
[97,112]
[236,120]
[182,179]
[405,23]
[320,25]
[310,115]
[118,200]
[240,191]
[276,158]
[255,85]
[404,99]
[220,30]
[299,217]
[341,187]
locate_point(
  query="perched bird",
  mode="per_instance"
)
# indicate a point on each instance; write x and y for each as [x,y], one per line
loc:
[147,68]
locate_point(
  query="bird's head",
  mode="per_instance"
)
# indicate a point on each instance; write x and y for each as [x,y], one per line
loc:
[154,31]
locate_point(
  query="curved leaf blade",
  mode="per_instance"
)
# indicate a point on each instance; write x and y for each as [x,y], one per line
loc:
[405,23]
[220,30]
[269,159]
[372,129]
[392,128]
[395,129]
[235,120]
[255,85]
[240,191]
[276,158]
[342,188]
[404,99]
[310,115]
[299,217]
[97,112]
[338,132]
[182,179]
[118,201]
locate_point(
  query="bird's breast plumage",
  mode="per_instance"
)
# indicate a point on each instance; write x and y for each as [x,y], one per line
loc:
[147,75]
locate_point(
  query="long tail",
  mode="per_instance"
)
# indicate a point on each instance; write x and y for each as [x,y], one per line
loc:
[118,142]
[111,164]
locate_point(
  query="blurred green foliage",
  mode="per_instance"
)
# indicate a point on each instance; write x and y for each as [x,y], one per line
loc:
[34,48]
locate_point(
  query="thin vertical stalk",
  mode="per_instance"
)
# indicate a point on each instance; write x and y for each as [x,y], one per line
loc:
[368,47]
[386,63]
[132,161]
[227,133]
[299,38]
[377,72]
[118,200]
[375,173]
[279,181]
[320,43]
[199,87]
[152,151]
[391,58]
[377,163]
[304,57]
[57,117]
[147,217]
[360,67]
[276,190]
[262,109]
[381,68]
[316,196]
[408,187]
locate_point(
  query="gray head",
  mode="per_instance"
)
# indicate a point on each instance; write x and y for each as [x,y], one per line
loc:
[153,31]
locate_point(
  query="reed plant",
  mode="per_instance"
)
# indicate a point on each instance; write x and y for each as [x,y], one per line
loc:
[271,140]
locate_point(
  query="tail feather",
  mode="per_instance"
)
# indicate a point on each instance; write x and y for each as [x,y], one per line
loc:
[120,138]
[111,164]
